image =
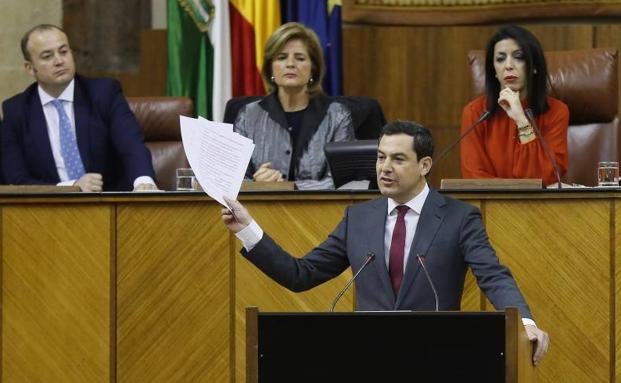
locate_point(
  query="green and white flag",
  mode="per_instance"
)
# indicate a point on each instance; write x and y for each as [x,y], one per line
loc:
[199,54]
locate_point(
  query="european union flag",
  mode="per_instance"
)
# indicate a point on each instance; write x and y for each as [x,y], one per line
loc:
[324,17]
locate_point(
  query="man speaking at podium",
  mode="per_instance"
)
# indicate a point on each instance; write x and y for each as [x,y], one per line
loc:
[409,224]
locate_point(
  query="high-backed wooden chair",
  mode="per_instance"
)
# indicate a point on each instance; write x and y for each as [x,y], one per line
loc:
[159,119]
[585,80]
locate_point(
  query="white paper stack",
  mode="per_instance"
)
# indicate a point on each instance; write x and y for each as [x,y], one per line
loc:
[218,156]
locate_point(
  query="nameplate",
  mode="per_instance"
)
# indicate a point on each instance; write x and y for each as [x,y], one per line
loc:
[37,189]
[491,183]
[259,186]
[267,186]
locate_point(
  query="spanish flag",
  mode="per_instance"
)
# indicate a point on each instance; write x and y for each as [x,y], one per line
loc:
[252,23]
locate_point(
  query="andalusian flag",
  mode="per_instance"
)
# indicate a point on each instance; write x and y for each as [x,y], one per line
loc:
[199,54]
[252,22]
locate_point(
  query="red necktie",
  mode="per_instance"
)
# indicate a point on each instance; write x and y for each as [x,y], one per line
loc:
[397,246]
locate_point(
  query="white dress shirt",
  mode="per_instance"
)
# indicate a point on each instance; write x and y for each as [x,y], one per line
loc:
[53,132]
[53,128]
[411,223]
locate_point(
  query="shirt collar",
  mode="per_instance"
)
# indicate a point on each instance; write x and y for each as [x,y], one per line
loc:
[66,95]
[415,203]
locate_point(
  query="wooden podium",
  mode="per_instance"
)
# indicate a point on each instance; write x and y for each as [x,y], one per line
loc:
[400,346]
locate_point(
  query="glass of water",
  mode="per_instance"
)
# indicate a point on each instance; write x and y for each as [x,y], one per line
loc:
[608,173]
[185,179]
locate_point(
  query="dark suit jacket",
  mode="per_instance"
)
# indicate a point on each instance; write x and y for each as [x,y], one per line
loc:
[450,234]
[109,138]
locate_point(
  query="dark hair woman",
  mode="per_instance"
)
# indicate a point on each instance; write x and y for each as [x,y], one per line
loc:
[506,144]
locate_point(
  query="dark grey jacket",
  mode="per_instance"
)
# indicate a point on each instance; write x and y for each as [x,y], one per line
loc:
[450,234]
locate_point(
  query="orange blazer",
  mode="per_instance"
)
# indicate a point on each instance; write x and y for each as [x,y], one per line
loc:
[493,149]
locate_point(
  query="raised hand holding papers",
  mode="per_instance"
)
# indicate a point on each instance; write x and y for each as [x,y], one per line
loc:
[218,156]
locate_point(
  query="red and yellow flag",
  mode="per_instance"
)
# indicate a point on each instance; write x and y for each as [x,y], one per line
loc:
[252,22]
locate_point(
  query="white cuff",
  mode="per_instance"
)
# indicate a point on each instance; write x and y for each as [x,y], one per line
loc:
[250,235]
[144,180]
[66,183]
[528,322]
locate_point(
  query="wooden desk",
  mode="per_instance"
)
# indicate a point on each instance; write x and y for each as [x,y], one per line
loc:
[151,288]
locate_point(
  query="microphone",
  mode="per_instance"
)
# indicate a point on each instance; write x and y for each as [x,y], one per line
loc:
[370,258]
[484,116]
[421,260]
[531,119]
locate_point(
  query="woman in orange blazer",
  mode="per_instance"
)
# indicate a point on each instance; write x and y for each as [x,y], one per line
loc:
[506,145]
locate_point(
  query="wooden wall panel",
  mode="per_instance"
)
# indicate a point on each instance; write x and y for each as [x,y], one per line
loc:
[298,227]
[415,72]
[173,294]
[150,79]
[56,293]
[559,254]
[105,36]
[469,12]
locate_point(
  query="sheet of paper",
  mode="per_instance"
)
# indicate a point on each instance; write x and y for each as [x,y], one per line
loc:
[217,125]
[218,156]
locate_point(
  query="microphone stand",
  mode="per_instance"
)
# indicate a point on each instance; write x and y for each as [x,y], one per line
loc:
[370,258]
[421,261]
[484,116]
[546,148]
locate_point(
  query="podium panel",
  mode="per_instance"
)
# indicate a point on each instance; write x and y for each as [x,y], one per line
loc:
[382,346]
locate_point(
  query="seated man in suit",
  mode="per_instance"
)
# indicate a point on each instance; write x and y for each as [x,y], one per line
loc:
[70,130]
[410,220]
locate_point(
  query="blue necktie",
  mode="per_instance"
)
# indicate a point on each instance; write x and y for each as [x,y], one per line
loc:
[68,144]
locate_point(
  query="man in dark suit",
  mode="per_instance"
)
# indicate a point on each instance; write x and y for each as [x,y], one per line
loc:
[411,220]
[70,130]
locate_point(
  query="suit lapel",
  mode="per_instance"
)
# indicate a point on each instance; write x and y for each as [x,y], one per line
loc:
[431,217]
[82,121]
[375,227]
[40,136]
[316,111]
[274,109]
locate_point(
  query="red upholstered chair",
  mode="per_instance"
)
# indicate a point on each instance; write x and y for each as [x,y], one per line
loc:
[585,80]
[159,119]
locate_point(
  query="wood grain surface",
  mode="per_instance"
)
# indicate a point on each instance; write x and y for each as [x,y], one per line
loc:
[172,294]
[153,289]
[56,293]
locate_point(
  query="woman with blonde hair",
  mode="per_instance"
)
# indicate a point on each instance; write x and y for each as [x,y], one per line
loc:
[291,125]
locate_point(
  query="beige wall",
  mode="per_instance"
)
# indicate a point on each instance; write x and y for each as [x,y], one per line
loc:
[16,17]
[158,14]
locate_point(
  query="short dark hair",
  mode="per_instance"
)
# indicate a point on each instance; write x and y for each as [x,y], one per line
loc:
[38,28]
[536,69]
[423,141]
